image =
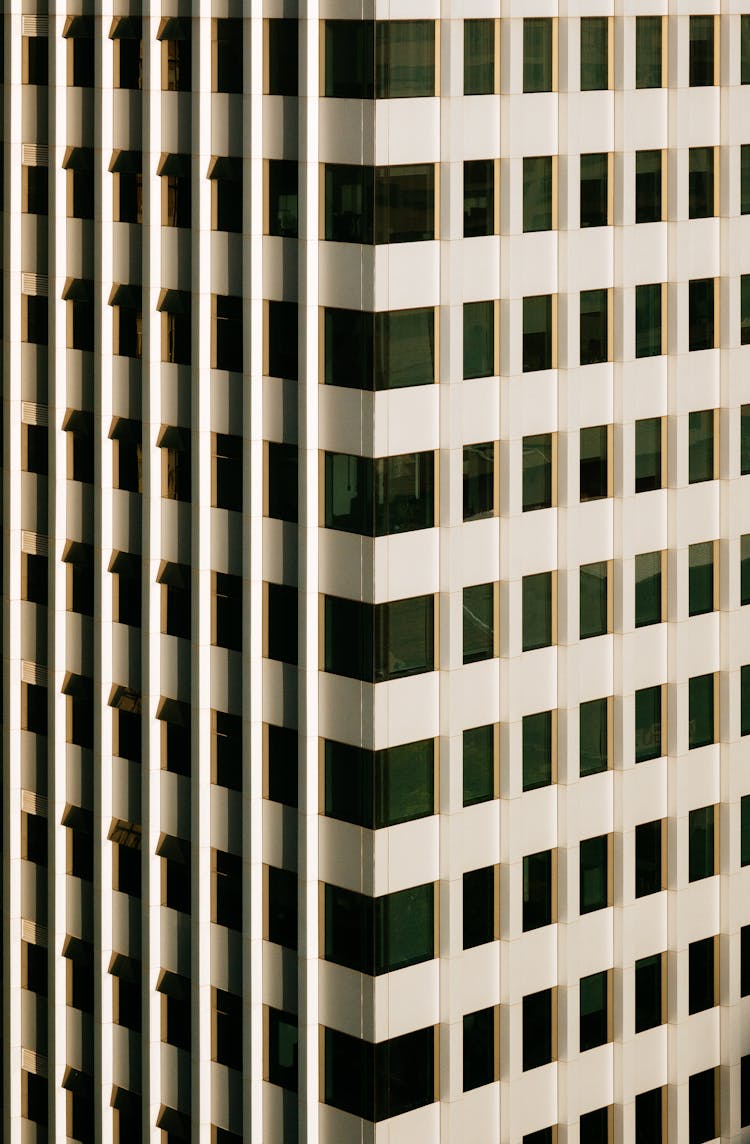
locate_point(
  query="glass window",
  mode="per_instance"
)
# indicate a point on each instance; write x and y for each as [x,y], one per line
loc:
[745,830]
[648,320]
[479,57]
[593,723]
[283,57]
[745,175]
[379,497]
[479,1049]
[282,907]
[35,189]
[745,440]
[387,350]
[537,193]
[648,589]
[701,446]
[537,472]
[479,906]
[594,53]
[701,710]
[228,57]
[700,578]
[745,569]
[537,750]
[282,481]
[744,49]
[282,623]
[350,59]
[648,459]
[376,789]
[701,975]
[479,622]
[701,51]
[537,1024]
[283,1037]
[479,481]
[648,188]
[702,1102]
[537,55]
[543,1136]
[744,1091]
[648,51]
[379,204]
[479,765]
[537,611]
[593,859]
[594,467]
[745,961]
[648,1000]
[701,182]
[701,314]
[648,743]
[283,198]
[537,890]
[479,339]
[375,1082]
[745,699]
[537,330]
[594,326]
[283,358]
[379,642]
[379,935]
[404,58]
[648,1117]
[593,1011]
[282,765]
[648,878]
[594,1127]
[594,189]
[745,310]
[479,197]
[701,843]
[593,599]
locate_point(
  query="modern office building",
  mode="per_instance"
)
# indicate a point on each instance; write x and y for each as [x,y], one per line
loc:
[376,547]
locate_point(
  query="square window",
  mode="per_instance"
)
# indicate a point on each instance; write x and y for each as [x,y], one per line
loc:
[478,622]
[537,193]
[537,331]
[537,472]
[593,599]
[700,578]
[594,327]
[479,481]
[648,589]
[593,722]
[594,463]
[701,711]
[595,189]
[701,51]
[479,907]
[479,339]
[648,185]
[537,611]
[701,446]
[593,1017]
[537,55]
[479,57]
[701,305]
[479,198]
[648,51]
[537,750]
[648,454]
[594,874]
[701,827]
[538,890]
[479,1049]
[594,53]
[648,320]
[538,1048]
[478,765]
[701,182]
[648,993]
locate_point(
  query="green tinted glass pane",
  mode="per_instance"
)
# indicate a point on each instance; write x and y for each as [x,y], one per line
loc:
[648,454]
[745,700]
[479,198]
[701,314]
[701,843]
[648,605]
[537,193]
[593,595]
[537,890]
[404,783]
[404,203]
[537,55]
[701,182]
[701,446]
[745,49]
[745,569]
[594,468]
[647,858]
[745,310]
[594,53]
[479,765]
[478,622]
[479,57]
[349,54]
[593,1011]
[647,993]
[648,320]
[537,332]
[745,439]
[648,58]
[647,724]
[745,178]
[745,831]
[348,493]
[593,874]
[479,481]
[404,928]
[404,348]
[701,578]
[537,611]
[404,58]
[479,339]
[593,746]
[537,750]
[404,638]
[404,489]
[701,51]
[594,192]
[648,195]
[537,472]
[701,711]
[349,192]
[594,334]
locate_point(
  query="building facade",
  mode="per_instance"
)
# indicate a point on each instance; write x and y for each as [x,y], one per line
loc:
[376,547]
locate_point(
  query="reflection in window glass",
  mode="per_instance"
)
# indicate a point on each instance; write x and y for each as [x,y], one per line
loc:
[380,204]
[478,623]
[479,57]
[537,750]
[537,55]
[593,869]
[376,789]
[387,350]
[537,332]
[479,339]
[479,481]
[701,314]
[744,49]
[648,191]
[745,178]
[745,569]
[537,611]
[379,497]
[479,765]
[701,711]
[537,193]
[745,310]
[594,53]
[594,189]
[701,51]
[648,588]
[593,1011]
[648,744]
[648,322]
[745,440]
[700,578]
[700,182]
[648,460]
[648,51]
[594,326]
[479,198]
[593,722]
[537,472]
[701,843]
[593,595]
[594,467]
[404,58]
[701,446]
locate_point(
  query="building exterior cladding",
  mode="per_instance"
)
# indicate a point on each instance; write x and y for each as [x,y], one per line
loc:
[375,547]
